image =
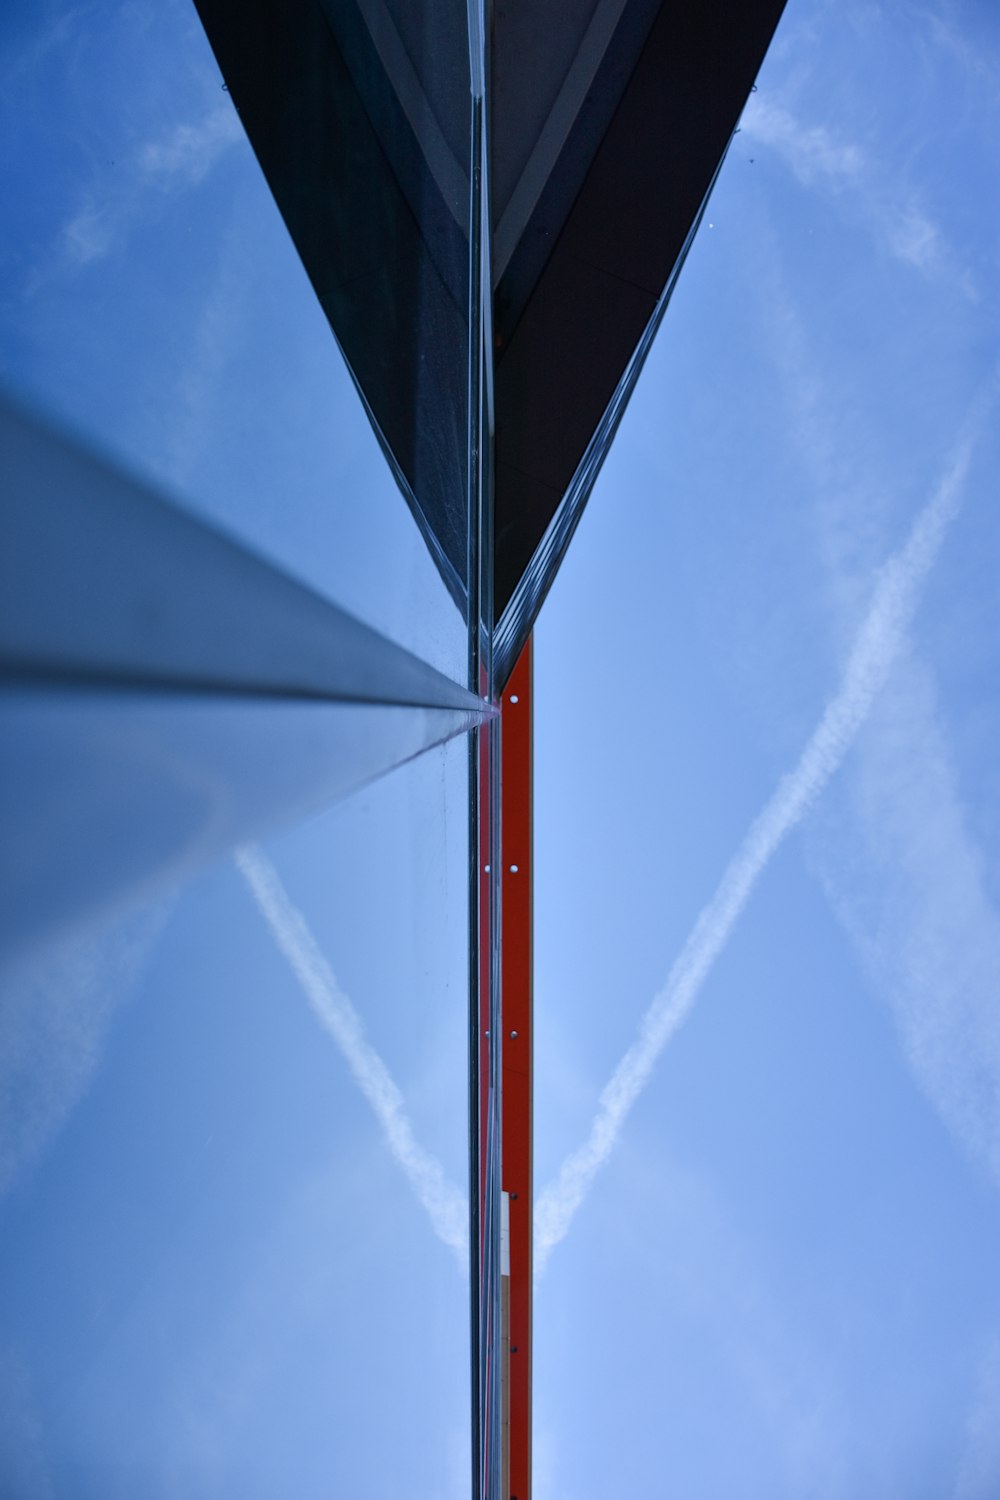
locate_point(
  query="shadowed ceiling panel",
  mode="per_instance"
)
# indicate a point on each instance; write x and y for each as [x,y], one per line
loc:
[608,121]
[599,246]
[356,123]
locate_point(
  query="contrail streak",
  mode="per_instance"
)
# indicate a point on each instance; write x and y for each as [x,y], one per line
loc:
[897,590]
[444,1202]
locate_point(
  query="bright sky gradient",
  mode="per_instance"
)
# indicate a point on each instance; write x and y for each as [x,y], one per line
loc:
[232,1126]
[233,1141]
[782,1281]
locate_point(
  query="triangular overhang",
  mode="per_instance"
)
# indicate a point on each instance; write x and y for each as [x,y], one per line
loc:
[607,121]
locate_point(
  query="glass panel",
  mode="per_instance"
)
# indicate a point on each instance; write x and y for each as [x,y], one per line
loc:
[232,1222]
[155,302]
[105,797]
[781,1278]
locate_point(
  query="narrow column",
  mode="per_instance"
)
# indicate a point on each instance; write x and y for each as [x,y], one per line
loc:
[516,1134]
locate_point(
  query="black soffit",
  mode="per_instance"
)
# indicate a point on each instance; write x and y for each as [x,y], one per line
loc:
[608,121]
[598,251]
[360,122]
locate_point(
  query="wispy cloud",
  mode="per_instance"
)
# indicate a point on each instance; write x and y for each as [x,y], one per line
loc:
[24,60]
[918,910]
[979,1470]
[56,1010]
[443,1201]
[945,32]
[819,158]
[871,659]
[23,1464]
[188,151]
[90,233]
[813,152]
[914,238]
[706,1281]
[181,156]
[896,849]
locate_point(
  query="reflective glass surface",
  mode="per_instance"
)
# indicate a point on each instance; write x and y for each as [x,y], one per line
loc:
[155,303]
[233,1217]
[768,822]
[105,797]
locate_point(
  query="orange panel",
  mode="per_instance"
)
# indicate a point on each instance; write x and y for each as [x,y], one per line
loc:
[516,959]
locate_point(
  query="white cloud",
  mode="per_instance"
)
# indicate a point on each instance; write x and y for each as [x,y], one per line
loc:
[979,1468]
[23,1465]
[56,1010]
[895,212]
[25,59]
[304,1308]
[918,911]
[811,151]
[871,659]
[445,1204]
[895,852]
[181,157]
[946,32]
[187,152]
[914,238]
[707,1286]
[89,235]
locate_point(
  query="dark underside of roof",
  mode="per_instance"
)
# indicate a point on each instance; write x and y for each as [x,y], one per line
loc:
[607,123]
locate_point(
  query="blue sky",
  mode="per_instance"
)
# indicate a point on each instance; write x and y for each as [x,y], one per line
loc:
[226,1213]
[782,1282]
[227,1209]
[216,1277]
[141,237]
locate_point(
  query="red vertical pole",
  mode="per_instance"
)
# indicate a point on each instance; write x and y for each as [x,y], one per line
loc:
[514,875]
[487,1333]
[516,1133]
